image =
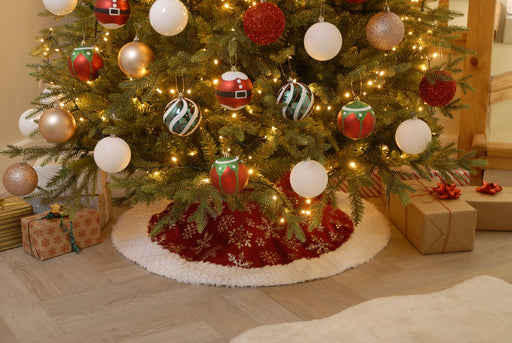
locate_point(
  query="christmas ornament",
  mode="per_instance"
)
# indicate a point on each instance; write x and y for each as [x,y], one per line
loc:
[57,125]
[134,59]
[112,13]
[234,90]
[264,23]
[20,179]
[438,88]
[229,175]
[308,178]
[28,125]
[84,63]
[112,154]
[385,30]
[60,7]
[322,40]
[182,116]
[413,135]
[297,100]
[168,17]
[356,119]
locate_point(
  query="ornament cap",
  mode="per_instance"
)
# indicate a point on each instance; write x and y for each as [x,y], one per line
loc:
[321,19]
[234,68]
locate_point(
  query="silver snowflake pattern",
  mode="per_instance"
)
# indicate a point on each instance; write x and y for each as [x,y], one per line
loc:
[270,257]
[190,231]
[335,236]
[319,246]
[204,243]
[250,208]
[293,243]
[260,242]
[174,248]
[225,223]
[240,237]
[268,229]
[239,261]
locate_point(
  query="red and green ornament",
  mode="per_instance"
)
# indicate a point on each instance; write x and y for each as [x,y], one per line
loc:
[356,120]
[264,23]
[229,175]
[182,116]
[438,88]
[84,63]
[297,100]
[112,13]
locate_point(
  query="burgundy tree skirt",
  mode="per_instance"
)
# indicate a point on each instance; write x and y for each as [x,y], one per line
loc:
[247,239]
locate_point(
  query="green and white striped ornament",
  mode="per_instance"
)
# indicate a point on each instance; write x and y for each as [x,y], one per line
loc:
[182,116]
[297,100]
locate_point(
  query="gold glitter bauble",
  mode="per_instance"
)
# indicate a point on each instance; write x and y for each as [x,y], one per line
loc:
[134,59]
[20,179]
[385,30]
[57,125]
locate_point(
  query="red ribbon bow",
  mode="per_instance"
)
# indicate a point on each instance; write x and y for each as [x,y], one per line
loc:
[489,188]
[446,191]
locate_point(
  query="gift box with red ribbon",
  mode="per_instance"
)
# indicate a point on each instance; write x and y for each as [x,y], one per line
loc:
[493,204]
[49,235]
[434,220]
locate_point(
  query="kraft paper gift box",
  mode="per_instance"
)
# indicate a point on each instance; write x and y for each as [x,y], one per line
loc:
[12,209]
[47,238]
[433,225]
[494,211]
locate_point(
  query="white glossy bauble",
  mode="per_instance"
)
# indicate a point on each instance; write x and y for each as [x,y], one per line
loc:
[60,7]
[168,17]
[28,125]
[413,136]
[308,178]
[323,41]
[112,154]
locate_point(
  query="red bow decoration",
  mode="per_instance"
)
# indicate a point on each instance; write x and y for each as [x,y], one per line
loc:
[446,191]
[489,188]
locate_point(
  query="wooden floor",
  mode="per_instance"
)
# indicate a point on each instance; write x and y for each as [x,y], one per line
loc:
[98,296]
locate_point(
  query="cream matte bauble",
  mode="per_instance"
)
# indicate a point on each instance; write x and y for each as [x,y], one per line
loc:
[60,7]
[20,179]
[134,59]
[112,154]
[168,17]
[309,178]
[57,125]
[413,135]
[322,41]
[28,125]
[385,30]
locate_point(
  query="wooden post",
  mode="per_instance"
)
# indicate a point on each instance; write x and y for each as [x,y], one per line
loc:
[104,200]
[479,39]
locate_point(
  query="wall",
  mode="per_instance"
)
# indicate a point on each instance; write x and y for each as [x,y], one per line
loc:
[20,26]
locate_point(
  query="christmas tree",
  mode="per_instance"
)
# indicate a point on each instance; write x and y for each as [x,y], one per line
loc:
[164,90]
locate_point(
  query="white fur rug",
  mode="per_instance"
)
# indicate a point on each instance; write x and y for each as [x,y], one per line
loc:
[477,310]
[129,236]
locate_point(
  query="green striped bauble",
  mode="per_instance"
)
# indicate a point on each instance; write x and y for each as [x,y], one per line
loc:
[297,100]
[182,116]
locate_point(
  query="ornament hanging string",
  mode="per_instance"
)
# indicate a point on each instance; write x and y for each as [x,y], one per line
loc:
[357,97]
[233,46]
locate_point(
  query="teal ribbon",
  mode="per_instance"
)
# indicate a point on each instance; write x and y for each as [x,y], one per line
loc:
[51,215]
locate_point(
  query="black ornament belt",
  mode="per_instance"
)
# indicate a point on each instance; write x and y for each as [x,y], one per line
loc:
[111,11]
[237,95]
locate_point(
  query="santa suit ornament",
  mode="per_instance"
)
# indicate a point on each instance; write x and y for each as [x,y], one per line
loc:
[112,13]
[234,90]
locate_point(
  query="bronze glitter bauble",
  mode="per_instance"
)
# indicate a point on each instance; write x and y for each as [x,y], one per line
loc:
[385,30]
[134,59]
[20,179]
[57,125]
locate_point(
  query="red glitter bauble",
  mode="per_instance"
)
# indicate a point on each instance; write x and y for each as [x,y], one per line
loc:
[438,88]
[264,23]
[356,1]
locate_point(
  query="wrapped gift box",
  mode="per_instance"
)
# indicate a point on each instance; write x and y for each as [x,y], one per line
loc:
[368,192]
[433,225]
[459,177]
[12,209]
[45,238]
[494,211]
